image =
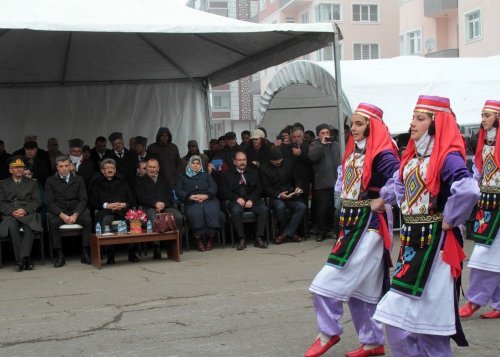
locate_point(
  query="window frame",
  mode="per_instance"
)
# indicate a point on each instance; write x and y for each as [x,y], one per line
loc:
[220,93]
[467,23]
[361,21]
[408,42]
[370,50]
[331,4]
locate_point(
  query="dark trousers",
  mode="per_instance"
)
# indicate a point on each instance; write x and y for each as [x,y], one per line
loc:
[258,208]
[83,220]
[323,199]
[21,242]
[279,207]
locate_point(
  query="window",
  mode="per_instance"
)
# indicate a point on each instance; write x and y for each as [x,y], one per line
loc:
[365,13]
[473,25]
[304,18]
[262,5]
[325,54]
[218,8]
[414,42]
[221,101]
[328,12]
[364,51]
[401,45]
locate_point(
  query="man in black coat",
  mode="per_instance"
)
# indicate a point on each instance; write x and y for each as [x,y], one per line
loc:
[83,168]
[154,194]
[19,202]
[283,187]
[98,152]
[241,188]
[125,160]
[66,200]
[110,194]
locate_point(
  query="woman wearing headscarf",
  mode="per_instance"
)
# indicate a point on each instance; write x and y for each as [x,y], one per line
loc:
[197,190]
[436,194]
[358,263]
[484,280]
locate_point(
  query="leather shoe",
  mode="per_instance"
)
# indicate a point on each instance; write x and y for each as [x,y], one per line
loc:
[132,257]
[111,259]
[85,258]
[20,266]
[28,264]
[320,237]
[259,243]
[493,314]
[241,245]
[280,239]
[361,352]
[317,349]
[468,310]
[60,261]
[157,253]
[296,238]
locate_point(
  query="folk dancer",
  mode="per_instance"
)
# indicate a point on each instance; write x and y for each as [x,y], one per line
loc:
[354,272]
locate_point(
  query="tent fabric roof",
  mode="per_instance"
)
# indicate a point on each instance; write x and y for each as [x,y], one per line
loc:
[53,42]
[394,85]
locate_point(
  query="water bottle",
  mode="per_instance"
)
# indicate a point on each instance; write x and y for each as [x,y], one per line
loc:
[98,231]
[122,228]
[149,226]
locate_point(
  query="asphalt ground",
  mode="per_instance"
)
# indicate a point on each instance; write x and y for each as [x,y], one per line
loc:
[224,302]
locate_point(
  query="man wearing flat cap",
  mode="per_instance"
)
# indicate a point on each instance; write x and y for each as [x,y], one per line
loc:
[125,160]
[230,149]
[41,154]
[19,202]
[83,168]
[193,149]
[39,167]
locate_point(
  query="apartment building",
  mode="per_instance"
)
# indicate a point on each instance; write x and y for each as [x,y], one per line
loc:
[449,28]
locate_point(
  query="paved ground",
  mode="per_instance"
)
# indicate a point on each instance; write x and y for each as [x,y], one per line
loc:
[220,303]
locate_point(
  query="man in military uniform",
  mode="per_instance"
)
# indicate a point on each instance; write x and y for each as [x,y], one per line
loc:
[19,202]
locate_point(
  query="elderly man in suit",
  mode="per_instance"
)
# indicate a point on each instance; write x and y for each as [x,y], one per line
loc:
[125,160]
[83,168]
[19,202]
[242,189]
[66,200]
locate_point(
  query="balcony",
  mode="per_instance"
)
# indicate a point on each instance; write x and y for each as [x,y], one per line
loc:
[449,53]
[440,8]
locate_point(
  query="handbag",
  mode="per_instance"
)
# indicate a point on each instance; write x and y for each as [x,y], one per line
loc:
[164,222]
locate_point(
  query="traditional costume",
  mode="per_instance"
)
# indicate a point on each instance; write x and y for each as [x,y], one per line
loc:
[433,186]
[354,272]
[484,281]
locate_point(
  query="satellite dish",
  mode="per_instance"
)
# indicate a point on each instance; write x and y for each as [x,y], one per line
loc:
[430,44]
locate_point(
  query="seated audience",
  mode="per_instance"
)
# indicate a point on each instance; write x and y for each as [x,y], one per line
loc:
[197,189]
[83,168]
[193,149]
[241,188]
[19,202]
[66,200]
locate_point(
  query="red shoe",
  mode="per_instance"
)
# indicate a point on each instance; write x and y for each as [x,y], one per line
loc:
[468,310]
[361,352]
[317,350]
[493,314]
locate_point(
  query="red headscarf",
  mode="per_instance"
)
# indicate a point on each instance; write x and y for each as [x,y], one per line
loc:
[377,141]
[447,139]
[492,106]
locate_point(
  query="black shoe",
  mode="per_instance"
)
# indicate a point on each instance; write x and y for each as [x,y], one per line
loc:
[157,253]
[133,258]
[28,264]
[242,244]
[259,243]
[111,259]
[85,258]
[320,237]
[60,261]
[20,266]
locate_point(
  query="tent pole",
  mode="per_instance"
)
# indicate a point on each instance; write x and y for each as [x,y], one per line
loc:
[337,35]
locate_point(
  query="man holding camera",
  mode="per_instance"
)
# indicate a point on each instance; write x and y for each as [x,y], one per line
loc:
[325,156]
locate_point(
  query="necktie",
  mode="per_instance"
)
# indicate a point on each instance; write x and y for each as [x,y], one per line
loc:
[120,155]
[242,179]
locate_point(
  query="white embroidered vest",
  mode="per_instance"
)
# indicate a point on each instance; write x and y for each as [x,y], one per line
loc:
[417,197]
[353,174]
[491,173]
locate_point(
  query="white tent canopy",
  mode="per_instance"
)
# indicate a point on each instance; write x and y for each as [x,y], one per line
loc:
[302,91]
[87,67]
[395,84]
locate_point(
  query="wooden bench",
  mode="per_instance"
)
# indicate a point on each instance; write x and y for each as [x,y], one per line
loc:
[96,242]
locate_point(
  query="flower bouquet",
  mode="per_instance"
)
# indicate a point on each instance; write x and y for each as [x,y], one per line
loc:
[136,217]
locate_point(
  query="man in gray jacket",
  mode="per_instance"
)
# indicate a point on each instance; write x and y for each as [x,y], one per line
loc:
[19,202]
[325,156]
